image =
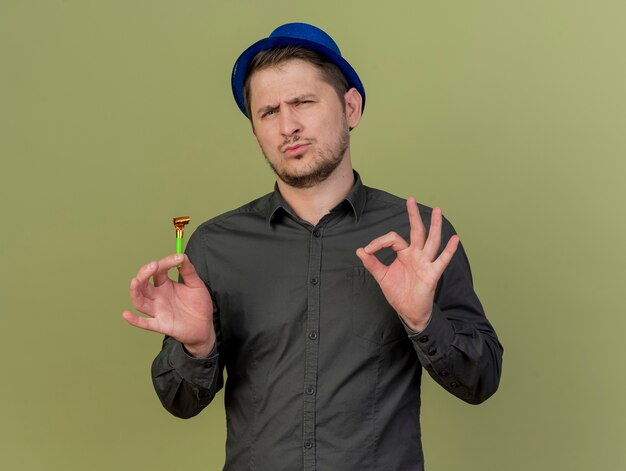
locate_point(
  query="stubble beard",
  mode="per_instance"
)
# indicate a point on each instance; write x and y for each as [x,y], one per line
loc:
[325,164]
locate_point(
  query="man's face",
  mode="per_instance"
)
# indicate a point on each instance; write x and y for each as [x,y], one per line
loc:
[299,122]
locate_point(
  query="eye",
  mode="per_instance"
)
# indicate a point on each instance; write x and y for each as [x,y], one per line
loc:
[268,113]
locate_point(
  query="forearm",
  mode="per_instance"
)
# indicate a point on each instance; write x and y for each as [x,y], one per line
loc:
[459,347]
[463,357]
[185,385]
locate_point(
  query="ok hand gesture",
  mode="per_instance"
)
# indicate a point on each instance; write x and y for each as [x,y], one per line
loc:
[183,311]
[409,283]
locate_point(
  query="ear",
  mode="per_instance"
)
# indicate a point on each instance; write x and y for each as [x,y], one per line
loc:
[354,107]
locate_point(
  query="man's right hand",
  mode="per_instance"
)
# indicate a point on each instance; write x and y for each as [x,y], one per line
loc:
[183,311]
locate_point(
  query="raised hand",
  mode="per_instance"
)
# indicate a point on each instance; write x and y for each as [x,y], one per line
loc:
[409,283]
[183,311]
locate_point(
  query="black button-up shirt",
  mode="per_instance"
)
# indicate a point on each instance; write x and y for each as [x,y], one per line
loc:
[321,372]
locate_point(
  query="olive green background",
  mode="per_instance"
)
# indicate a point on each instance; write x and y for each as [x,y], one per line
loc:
[116,116]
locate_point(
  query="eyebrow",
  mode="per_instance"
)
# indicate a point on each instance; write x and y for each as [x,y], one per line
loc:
[264,109]
[308,96]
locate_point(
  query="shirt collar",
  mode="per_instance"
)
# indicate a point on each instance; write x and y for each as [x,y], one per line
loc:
[355,200]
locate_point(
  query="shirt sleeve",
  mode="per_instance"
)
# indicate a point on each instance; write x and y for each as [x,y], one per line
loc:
[459,348]
[185,385]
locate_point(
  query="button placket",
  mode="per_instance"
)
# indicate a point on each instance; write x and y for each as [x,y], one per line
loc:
[312,347]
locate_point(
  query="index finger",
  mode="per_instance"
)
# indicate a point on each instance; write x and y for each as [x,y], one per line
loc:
[418,232]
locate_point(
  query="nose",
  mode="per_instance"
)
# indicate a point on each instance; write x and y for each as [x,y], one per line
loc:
[289,123]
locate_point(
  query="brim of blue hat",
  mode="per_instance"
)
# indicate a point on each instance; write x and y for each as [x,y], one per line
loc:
[241,65]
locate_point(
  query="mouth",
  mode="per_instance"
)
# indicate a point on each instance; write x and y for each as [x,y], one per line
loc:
[295,149]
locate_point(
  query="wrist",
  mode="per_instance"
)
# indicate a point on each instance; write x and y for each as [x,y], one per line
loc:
[417,325]
[200,350]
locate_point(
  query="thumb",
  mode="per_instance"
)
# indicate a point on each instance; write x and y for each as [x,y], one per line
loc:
[188,272]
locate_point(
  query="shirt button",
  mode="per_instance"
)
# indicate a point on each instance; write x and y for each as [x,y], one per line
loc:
[316,233]
[423,339]
[313,335]
[454,385]
[444,373]
[432,351]
[209,364]
[308,444]
[315,280]
[310,390]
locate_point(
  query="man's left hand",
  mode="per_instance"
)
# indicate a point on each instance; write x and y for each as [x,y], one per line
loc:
[409,283]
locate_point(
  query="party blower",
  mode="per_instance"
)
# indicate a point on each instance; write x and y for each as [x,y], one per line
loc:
[179,224]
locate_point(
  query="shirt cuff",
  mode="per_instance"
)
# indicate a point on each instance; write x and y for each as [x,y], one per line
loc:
[432,343]
[195,370]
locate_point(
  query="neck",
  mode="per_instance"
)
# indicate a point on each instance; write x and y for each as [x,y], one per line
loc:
[312,204]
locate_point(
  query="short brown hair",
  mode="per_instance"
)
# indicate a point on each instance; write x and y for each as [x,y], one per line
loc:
[275,56]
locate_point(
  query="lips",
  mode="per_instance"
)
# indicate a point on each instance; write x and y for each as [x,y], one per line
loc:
[295,149]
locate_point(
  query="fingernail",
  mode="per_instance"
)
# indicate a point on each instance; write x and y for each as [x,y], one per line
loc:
[178,258]
[150,266]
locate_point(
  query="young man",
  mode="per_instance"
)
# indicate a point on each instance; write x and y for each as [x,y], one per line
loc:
[323,299]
